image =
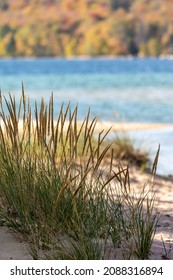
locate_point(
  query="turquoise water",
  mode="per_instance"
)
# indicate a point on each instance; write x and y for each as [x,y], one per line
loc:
[132,90]
[115,89]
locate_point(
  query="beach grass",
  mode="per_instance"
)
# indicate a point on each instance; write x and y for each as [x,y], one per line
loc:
[126,150]
[63,189]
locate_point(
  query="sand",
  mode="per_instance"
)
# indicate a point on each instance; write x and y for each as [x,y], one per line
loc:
[11,248]
[123,126]
[115,126]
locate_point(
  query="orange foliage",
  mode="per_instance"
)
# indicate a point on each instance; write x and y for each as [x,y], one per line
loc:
[85,27]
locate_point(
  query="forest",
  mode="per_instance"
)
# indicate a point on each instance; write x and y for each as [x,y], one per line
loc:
[70,28]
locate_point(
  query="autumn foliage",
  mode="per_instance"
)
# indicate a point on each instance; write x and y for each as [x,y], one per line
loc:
[70,28]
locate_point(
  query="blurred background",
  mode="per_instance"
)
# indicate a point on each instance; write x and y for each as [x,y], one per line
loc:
[68,28]
[114,56]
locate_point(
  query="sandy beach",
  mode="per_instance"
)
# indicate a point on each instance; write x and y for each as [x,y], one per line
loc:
[115,126]
[11,247]
[123,126]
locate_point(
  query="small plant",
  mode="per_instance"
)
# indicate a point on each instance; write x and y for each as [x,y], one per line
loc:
[124,149]
[136,218]
[144,227]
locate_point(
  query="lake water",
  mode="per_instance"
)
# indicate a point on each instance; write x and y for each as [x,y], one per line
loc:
[131,90]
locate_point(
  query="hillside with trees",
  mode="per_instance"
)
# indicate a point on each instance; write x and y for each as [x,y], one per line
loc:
[70,28]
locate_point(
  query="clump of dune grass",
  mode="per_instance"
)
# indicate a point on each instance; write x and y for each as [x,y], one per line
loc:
[125,150]
[56,191]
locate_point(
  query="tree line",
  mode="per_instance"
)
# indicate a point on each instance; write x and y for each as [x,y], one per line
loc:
[70,28]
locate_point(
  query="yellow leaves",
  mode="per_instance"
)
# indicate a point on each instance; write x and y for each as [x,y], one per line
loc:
[70,48]
[150,48]
[7,44]
[25,41]
[2,49]
[92,41]
[99,40]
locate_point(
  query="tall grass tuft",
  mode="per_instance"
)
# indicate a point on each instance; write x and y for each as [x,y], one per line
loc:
[56,190]
[124,149]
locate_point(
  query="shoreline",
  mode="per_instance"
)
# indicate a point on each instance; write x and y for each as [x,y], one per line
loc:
[87,57]
[115,126]
[130,126]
